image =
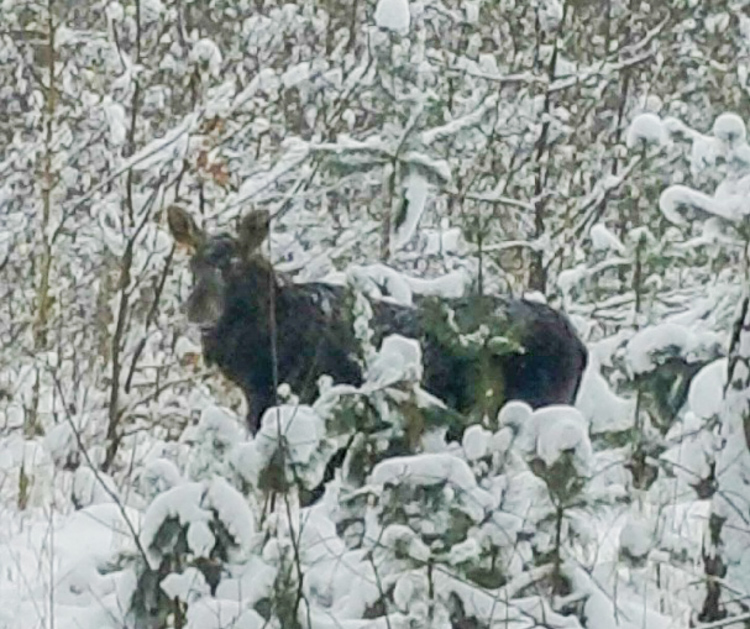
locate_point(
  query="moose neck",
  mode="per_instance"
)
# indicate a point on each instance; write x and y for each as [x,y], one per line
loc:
[251,288]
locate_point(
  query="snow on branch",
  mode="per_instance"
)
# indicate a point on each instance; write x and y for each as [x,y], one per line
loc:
[454,127]
[297,151]
[675,200]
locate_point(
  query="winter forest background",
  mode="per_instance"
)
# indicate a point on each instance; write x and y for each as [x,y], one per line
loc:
[590,152]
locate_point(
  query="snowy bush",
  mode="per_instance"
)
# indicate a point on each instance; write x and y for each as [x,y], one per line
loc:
[189,535]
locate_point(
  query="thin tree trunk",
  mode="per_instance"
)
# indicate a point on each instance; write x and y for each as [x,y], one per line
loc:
[43,298]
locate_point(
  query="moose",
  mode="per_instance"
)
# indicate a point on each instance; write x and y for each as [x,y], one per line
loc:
[238,299]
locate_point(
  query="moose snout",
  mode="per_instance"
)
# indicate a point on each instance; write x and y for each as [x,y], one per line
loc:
[206,303]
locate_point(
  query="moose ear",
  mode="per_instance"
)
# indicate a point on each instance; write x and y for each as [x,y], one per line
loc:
[253,230]
[183,227]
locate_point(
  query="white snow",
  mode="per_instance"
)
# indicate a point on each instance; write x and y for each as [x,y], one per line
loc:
[189,586]
[69,551]
[118,125]
[398,536]
[296,74]
[299,427]
[184,504]
[265,81]
[604,240]
[476,442]
[637,537]
[415,192]
[449,286]
[410,588]
[649,346]
[677,198]
[471,9]
[250,583]
[210,613]
[158,476]
[438,167]
[206,51]
[729,128]
[646,128]
[556,430]
[466,551]
[393,15]
[296,151]
[398,360]
[185,347]
[561,435]
[17,453]
[570,279]
[706,393]
[216,433]
[490,606]
[192,507]
[151,10]
[702,155]
[445,240]
[217,424]
[114,12]
[61,444]
[424,469]
[515,414]
[550,13]
[379,281]
[233,510]
[604,410]
[90,488]
[691,458]
[173,145]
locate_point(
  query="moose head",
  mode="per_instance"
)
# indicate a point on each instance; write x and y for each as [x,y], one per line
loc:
[215,259]
[261,332]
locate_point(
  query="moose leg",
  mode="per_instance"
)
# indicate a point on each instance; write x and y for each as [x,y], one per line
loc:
[260,400]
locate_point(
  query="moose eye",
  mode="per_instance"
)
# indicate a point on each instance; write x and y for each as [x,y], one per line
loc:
[221,254]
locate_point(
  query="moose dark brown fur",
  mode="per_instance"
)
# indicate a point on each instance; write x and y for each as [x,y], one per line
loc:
[237,300]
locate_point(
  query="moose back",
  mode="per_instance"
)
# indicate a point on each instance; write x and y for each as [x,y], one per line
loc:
[253,324]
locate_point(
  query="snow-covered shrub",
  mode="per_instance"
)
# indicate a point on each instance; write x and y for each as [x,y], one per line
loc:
[487,511]
[190,534]
[211,442]
[710,451]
